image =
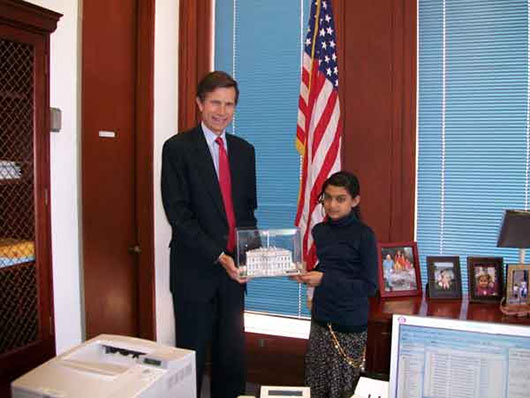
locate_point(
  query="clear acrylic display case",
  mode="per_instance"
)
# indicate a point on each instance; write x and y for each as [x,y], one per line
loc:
[269,252]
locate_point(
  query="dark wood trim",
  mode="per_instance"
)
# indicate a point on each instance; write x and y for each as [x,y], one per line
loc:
[409,112]
[18,362]
[403,131]
[195,46]
[144,168]
[31,17]
[43,193]
[204,38]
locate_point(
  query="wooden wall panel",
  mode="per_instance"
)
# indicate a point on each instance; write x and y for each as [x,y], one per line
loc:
[367,101]
[194,56]
[275,360]
[378,104]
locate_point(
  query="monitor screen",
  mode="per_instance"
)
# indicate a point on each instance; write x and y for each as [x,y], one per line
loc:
[448,358]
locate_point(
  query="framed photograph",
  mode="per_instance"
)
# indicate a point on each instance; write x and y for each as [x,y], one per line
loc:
[444,277]
[485,278]
[517,284]
[399,271]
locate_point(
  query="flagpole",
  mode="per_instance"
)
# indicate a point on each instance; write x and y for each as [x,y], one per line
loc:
[315,32]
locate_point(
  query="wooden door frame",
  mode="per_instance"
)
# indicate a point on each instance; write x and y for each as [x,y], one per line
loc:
[142,41]
[145,45]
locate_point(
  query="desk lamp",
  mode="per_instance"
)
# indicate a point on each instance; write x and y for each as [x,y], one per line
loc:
[515,231]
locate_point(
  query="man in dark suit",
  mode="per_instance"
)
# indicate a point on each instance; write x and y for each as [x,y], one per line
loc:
[208,189]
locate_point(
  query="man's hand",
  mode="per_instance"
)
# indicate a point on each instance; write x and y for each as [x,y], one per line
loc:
[228,264]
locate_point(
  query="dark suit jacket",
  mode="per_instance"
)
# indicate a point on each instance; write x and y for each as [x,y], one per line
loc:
[194,207]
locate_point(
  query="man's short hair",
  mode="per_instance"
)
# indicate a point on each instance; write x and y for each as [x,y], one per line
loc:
[213,81]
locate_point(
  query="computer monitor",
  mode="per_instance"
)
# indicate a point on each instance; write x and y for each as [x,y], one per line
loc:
[438,357]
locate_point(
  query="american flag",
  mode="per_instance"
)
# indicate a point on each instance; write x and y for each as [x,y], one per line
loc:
[318,135]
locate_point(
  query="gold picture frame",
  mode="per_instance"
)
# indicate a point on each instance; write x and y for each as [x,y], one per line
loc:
[517,277]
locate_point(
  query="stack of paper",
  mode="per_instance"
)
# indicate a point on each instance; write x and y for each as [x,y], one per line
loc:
[371,388]
[9,170]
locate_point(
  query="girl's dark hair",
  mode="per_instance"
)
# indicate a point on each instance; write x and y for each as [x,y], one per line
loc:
[213,81]
[348,181]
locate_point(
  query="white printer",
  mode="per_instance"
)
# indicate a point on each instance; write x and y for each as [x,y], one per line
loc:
[110,366]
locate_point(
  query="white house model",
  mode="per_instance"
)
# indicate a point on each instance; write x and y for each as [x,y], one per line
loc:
[269,261]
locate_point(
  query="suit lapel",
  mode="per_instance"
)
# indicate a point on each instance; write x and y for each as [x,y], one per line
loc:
[206,168]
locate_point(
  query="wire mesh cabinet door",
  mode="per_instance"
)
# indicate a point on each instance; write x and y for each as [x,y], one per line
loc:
[26,307]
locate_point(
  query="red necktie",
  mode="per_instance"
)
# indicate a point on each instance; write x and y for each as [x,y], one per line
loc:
[226,190]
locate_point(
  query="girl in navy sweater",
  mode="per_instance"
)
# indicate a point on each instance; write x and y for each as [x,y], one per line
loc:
[344,278]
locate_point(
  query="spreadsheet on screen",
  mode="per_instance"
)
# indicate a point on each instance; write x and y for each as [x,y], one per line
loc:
[438,358]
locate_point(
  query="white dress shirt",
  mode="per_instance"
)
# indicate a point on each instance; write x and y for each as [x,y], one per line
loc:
[210,137]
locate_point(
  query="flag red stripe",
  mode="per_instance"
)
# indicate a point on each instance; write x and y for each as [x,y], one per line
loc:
[307,111]
[316,86]
[322,125]
[305,76]
[302,136]
[302,105]
[322,175]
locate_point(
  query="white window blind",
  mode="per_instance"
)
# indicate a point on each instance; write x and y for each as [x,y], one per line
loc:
[473,125]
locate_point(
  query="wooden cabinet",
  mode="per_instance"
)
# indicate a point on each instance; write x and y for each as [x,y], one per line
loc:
[380,321]
[26,310]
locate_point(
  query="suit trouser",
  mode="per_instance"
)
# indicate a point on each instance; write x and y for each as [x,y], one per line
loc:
[216,324]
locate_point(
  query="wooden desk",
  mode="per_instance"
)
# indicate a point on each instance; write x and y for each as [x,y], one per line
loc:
[380,321]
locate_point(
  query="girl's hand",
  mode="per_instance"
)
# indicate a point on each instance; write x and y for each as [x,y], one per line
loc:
[296,278]
[312,278]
